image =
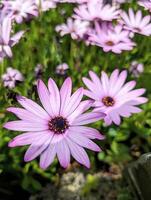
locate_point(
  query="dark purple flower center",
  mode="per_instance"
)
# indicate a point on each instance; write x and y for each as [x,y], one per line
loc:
[108,101]
[58,125]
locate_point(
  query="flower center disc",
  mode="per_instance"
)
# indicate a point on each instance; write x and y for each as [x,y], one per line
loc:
[109,43]
[108,101]
[58,125]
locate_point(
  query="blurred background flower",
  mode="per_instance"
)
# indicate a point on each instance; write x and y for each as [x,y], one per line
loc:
[12,77]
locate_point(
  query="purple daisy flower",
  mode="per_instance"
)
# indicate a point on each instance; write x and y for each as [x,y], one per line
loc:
[58,128]
[96,11]
[136,23]
[113,96]
[12,77]
[111,38]
[21,9]
[76,28]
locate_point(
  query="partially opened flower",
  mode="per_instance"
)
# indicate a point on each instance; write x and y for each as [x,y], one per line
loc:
[62,69]
[136,22]
[12,77]
[113,96]
[136,68]
[57,129]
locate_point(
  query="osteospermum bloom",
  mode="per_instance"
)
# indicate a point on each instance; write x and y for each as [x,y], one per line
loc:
[111,38]
[62,69]
[136,22]
[113,96]
[96,10]
[76,28]
[21,9]
[58,128]
[11,77]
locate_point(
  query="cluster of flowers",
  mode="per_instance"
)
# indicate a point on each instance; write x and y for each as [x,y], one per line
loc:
[58,127]
[17,11]
[99,23]
[93,21]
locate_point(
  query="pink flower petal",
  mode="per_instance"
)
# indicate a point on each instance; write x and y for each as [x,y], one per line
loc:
[54,96]
[6,29]
[27,138]
[74,102]
[65,93]
[81,140]
[95,79]
[83,106]
[25,126]
[63,153]
[44,96]
[33,107]
[105,82]
[88,132]
[120,81]
[47,157]
[37,148]
[78,153]
[22,114]
[115,117]
[88,118]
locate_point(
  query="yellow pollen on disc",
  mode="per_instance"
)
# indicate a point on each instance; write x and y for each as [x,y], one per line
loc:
[108,101]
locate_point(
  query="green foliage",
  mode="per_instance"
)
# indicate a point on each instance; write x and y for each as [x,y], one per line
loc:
[92,182]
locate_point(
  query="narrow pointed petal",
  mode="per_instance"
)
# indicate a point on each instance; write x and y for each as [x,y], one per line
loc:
[54,96]
[74,102]
[78,153]
[63,153]
[25,126]
[88,118]
[22,114]
[33,107]
[83,141]
[27,138]
[44,96]
[89,132]
[47,157]
[65,93]
[37,148]
[6,29]
[83,106]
